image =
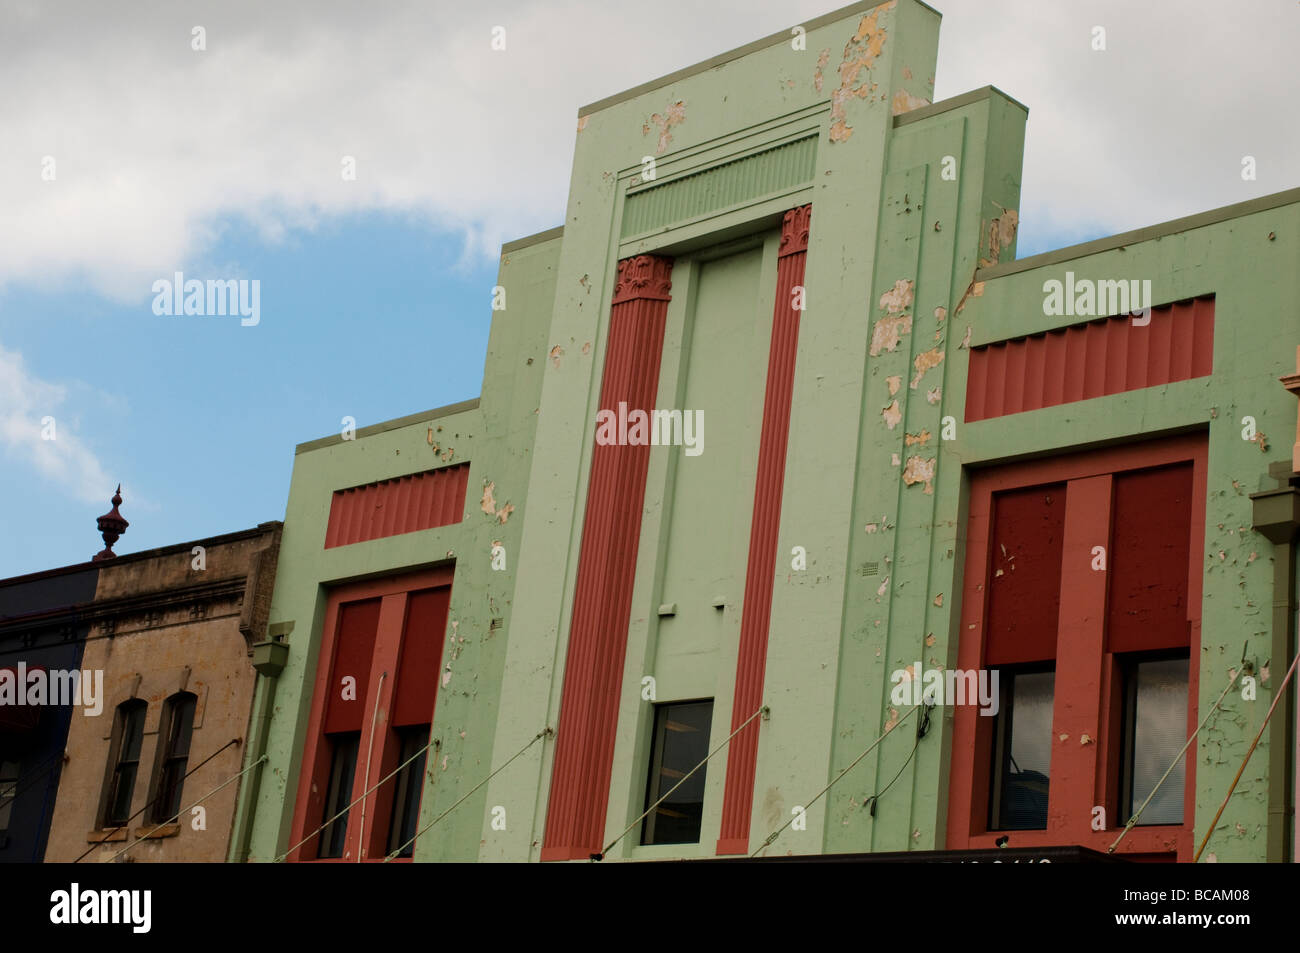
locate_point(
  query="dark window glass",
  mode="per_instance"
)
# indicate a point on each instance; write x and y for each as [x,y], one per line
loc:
[1155,716]
[343,767]
[130,721]
[681,741]
[1022,751]
[8,791]
[409,784]
[175,754]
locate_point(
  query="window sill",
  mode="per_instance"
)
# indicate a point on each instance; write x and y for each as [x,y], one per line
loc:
[106,837]
[166,830]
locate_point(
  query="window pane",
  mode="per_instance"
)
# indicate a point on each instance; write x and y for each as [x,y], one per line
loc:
[681,741]
[122,786]
[8,791]
[409,786]
[343,767]
[1024,751]
[1159,730]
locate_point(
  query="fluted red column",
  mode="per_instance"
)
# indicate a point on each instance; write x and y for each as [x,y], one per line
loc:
[602,602]
[738,796]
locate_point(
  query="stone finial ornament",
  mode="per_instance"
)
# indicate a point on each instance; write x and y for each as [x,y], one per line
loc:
[111,526]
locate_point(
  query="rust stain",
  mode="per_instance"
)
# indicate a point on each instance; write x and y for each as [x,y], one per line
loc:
[892,415]
[894,383]
[823,58]
[859,54]
[921,438]
[920,470]
[557,352]
[925,361]
[674,115]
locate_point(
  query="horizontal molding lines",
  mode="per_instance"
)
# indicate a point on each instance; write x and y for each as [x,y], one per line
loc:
[779,169]
[1091,359]
[400,505]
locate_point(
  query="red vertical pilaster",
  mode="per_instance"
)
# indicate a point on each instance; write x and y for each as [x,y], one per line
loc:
[602,602]
[738,796]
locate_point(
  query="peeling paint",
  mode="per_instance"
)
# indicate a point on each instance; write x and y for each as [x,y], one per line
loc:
[893,719]
[488,503]
[920,470]
[933,394]
[1002,232]
[894,461]
[921,438]
[674,115]
[888,332]
[894,383]
[905,102]
[823,58]
[898,298]
[871,527]
[938,600]
[892,415]
[582,122]
[965,341]
[859,53]
[974,290]
[925,361]
[557,352]
[940,313]
[884,587]
[930,640]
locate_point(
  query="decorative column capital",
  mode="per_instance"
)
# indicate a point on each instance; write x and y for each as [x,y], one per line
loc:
[794,231]
[643,277]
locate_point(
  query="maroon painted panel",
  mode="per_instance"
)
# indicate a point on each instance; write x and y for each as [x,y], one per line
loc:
[402,505]
[738,796]
[1024,577]
[1150,547]
[417,672]
[1091,359]
[354,648]
[602,601]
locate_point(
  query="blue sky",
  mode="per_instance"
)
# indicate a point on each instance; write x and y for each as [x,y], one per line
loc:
[375,293]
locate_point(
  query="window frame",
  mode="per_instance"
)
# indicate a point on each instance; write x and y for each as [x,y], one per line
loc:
[369,840]
[1083,775]
[121,718]
[658,733]
[166,756]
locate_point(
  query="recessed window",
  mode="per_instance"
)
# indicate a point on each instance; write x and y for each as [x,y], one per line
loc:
[409,784]
[121,785]
[8,791]
[1155,721]
[1022,751]
[343,768]
[681,741]
[178,722]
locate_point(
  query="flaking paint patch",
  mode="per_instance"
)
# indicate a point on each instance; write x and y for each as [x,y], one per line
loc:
[892,415]
[894,461]
[894,383]
[965,341]
[823,58]
[859,54]
[898,298]
[925,361]
[1002,232]
[557,352]
[488,503]
[905,102]
[888,332]
[917,439]
[582,122]
[940,313]
[920,470]
[674,115]
[974,290]
[933,394]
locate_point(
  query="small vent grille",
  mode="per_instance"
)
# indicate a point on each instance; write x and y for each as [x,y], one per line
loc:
[869,569]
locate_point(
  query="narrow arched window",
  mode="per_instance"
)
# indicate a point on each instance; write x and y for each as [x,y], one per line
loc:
[128,736]
[173,755]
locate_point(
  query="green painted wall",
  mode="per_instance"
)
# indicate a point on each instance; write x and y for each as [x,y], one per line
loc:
[910,262]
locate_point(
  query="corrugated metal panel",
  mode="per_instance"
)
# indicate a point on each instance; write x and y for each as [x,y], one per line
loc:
[602,600]
[402,505]
[773,170]
[765,524]
[1091,359]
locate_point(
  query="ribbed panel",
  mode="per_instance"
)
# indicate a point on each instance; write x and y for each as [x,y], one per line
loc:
[738,796]
[602,602]
[402,505]
[1092,359]
[774,170]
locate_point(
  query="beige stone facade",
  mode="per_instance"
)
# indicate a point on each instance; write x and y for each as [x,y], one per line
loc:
[168,624]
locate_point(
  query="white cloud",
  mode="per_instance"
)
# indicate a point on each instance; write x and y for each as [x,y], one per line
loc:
[156,144]
[26,403]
